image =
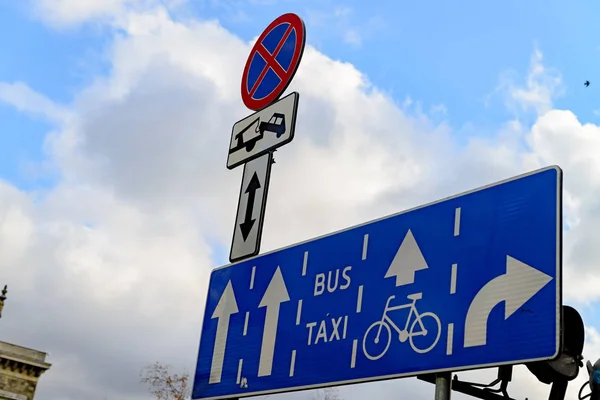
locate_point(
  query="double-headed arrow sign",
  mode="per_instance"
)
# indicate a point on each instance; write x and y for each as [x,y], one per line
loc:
[251,208]
[248,223]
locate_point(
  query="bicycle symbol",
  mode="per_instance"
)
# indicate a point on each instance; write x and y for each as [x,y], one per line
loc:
[403,334]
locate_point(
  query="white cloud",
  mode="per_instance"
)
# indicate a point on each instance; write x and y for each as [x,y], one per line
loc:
[343,23]
[68,13]
[112,264]
[30,102]
[352,36]
[542,85]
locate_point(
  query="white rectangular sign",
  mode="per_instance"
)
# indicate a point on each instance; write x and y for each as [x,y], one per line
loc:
[251,208]
[263,131]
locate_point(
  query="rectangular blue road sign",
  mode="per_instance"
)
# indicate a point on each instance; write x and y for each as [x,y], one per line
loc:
[467,282]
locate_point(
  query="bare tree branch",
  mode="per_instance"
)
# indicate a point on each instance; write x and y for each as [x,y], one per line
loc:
[329,393]
[163,385]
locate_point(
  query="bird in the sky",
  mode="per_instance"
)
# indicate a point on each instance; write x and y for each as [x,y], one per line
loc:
[587,83]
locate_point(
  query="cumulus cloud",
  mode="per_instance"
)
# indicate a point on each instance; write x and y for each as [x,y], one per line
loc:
[542,86]
[62,13]
[28,101]
[108,270]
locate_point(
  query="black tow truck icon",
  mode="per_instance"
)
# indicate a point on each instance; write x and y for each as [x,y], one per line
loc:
[276,125]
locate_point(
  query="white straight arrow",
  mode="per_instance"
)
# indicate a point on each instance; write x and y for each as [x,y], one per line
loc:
[520,283]
[407,261]
[225,307]
[275,294]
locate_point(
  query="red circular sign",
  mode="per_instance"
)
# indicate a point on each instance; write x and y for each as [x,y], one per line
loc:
[273,61]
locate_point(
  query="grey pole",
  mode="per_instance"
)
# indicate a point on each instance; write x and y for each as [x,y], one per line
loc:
[443,388]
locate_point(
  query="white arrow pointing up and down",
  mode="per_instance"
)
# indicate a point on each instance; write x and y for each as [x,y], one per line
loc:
[407,261]
[225,307]
[520,283]
[275,294]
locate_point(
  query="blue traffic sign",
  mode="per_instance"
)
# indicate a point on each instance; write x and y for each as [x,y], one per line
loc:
[273,61]
[467,282]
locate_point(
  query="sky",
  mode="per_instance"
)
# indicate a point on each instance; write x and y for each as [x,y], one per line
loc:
[116,204]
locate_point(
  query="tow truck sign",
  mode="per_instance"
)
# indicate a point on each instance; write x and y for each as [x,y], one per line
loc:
[263,131]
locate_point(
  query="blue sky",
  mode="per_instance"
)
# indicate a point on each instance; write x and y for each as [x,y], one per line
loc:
[447,52]
[56,64]
[436,52]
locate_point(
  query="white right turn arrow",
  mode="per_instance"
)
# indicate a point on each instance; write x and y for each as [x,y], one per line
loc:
[225,307]
[520,283]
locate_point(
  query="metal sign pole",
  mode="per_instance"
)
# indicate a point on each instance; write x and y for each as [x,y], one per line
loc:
[443,386]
